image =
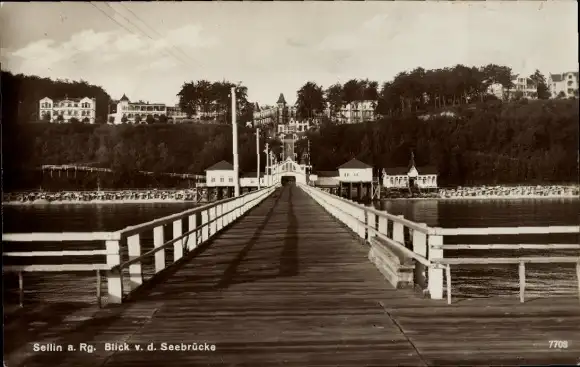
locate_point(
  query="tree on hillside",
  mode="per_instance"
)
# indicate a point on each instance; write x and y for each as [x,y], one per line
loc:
[213,99]
[137,119]
[310,100]
[541,86]
[334,97]
[124,119]
[353,90]
[163,119]
[149,119]
[60,118]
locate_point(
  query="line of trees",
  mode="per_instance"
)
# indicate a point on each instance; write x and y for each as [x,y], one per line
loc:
[489,143]
[419,90]
[126,149]
[213,100]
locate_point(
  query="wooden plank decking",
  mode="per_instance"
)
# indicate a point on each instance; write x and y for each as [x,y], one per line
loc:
[289,285]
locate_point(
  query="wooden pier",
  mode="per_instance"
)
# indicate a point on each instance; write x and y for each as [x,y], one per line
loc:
[294,276]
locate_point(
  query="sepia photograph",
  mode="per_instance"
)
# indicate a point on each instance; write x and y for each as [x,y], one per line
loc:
[297,183]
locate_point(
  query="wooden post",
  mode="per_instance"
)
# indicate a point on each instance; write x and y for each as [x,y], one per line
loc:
[177,245]
[20,289]
[135,271]
[192,238]
[448,281]
[435,278]
[99,304]
[158,241]
[114,277]
[522,277]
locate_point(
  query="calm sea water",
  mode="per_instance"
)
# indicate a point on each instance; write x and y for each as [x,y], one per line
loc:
[470,281]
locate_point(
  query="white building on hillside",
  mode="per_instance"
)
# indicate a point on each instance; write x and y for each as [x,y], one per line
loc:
[525,86]
[127,111]
[82,109]
[175,114]
[357,112]
[355,171]
[220,174]
[294,126]
[565,84]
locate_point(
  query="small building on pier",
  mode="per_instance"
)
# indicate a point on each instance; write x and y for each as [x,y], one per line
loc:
[356,175]
[424,177]
[220,174]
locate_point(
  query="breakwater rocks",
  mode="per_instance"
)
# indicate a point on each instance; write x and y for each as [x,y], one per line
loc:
[79,197]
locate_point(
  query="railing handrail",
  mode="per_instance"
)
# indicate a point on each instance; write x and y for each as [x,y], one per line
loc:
[131,230]
[507,260]
[505,230]
[60,236]
[395,218]
[189,232]
[382,236]
[511,246]
[459,231]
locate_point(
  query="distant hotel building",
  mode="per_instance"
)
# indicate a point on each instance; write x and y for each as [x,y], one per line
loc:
[563,85]
[283,119]
[82,109]
[357,112]
[129,112]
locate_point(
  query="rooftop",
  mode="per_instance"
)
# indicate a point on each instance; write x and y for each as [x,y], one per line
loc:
[354,164]
[221,166]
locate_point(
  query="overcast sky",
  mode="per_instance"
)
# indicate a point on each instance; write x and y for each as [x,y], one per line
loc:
[275,47]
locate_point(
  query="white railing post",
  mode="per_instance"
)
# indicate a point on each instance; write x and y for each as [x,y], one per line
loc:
[399,231]
[361,223]
[420,248]
[383,225]
[205,225]
[135,271]
[435,278]
[212,218]
[114,277]
[192,238]
[372,223]
[158,241]
[219,222]
[177,245]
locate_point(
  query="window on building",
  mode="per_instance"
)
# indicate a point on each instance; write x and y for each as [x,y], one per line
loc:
[76,104]
[221,179]
[212,179]
[231,179]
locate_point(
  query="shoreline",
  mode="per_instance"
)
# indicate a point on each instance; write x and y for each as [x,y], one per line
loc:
[490,197]
[98,202]
[42,202]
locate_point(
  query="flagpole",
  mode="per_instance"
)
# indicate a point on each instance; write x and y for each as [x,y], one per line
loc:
[258,154]
[235,145]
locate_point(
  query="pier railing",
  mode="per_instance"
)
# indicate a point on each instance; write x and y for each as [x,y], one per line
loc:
[124,252]
[425,245]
